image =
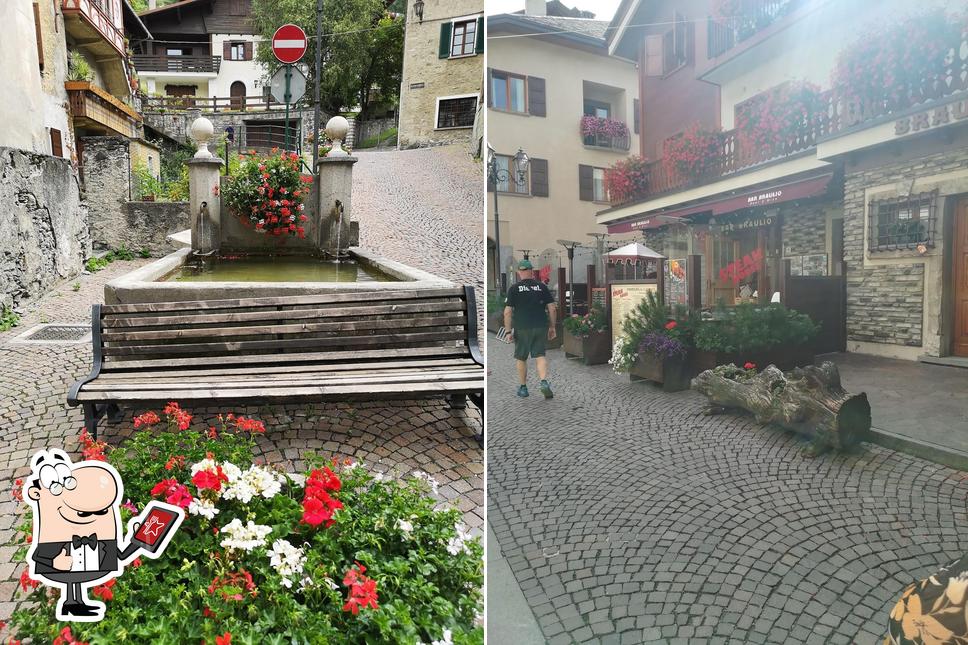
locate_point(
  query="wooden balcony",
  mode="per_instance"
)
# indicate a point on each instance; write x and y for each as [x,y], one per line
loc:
[177,64]
[757,16]
[89,22]
[95,109]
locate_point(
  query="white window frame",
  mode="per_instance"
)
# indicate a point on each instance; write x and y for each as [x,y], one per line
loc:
[448,98]
[232,50]
[477,35]
[604,199]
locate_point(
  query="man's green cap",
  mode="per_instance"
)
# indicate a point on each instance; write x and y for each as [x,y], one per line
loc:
[525,265]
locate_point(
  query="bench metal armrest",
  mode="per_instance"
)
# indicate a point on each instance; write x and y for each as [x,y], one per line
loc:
[98,356]
[472,340]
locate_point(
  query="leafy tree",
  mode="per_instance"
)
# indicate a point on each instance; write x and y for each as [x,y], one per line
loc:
[362,48]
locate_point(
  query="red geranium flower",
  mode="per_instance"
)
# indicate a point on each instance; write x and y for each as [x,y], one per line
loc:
[174,492]
[224,639]
[26,582]
[207,480]
[104,591]
[671,324]
[362,590]
[749,366]
[146,419]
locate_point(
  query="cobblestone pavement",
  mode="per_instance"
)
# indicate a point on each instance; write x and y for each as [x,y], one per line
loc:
[399,436]
[627,517]
[425,208]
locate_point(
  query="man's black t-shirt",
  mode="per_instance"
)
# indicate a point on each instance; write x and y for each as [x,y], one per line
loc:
[529,299]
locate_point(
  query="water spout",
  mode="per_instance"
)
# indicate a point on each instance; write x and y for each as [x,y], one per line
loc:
[339,228]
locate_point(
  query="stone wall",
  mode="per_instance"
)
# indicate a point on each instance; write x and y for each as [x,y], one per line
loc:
[804,228]
[891,295]
[108,186]
[43,225]
[426,76]
[145,226]
[373,127]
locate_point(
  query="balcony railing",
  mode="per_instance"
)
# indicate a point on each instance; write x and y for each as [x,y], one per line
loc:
[179,64]
[90,104]
[161,104]
[726,33]
[90,13]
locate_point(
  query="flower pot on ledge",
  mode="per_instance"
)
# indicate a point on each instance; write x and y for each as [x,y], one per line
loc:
[673,374]
[594,349]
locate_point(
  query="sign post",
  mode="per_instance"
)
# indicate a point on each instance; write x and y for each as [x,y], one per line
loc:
[289,44]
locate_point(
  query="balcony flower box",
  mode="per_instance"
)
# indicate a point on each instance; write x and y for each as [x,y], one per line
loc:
[593,349]
[673,374]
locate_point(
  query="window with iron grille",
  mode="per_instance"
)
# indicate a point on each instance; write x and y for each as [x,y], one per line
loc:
[903,222]
[456,112]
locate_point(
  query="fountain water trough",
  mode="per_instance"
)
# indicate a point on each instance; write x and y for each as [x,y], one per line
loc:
[226,260]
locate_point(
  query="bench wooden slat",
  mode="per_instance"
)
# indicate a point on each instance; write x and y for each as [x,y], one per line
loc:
[287,394]
[414,321]
[335,311]
[267,360]
[282,301]
[243,345]
[161,377]
[446,363]
[276,383]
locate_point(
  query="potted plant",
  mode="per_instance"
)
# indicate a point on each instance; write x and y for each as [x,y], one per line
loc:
[586,337]
[750,333]
[662,359]
[267,194]
[627,180]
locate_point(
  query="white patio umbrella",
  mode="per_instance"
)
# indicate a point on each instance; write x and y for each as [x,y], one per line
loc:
[632,254]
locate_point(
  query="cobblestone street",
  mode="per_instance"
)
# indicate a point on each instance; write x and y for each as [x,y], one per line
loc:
[627,517]
[395,437]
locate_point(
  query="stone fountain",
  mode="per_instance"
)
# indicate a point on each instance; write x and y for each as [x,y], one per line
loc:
[226,259]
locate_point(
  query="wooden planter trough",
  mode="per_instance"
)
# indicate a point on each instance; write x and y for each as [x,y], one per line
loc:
[785,358]
[673,374]
[594,349]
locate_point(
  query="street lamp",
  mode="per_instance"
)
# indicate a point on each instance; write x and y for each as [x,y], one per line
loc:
[517,174]
[418,8]
[570,246]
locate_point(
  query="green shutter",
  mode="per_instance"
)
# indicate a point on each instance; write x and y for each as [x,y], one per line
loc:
[480,36]
[446,29]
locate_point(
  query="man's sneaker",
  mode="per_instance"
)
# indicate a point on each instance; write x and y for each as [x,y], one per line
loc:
[546,390]
[522,391]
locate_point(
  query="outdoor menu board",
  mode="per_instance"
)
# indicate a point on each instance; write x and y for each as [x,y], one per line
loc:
[599,297]
[675,282]
[625,297]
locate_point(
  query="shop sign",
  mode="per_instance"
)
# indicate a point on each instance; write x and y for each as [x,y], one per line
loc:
[942,115]
[742,268]
[676,293]
[748,223]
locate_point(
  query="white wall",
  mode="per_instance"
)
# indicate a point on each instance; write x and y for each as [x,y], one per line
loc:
[249,72]
[31,103]
[537,222]
[808,49]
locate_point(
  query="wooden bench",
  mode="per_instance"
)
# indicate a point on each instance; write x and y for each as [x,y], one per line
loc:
[371,345]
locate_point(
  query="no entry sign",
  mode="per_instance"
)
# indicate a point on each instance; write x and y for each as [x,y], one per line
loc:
[289,43]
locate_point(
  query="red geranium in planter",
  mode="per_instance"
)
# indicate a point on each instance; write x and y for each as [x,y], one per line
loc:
[778,120]
[627,180]
[693,153]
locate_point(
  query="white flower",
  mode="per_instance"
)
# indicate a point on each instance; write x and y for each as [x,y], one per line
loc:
[405,526]
[331,584]
[243,486]
[419,474]
[379,477]
[208,465]
[456,544]
[446,640]
[203,507]
[246,537]
[288,561]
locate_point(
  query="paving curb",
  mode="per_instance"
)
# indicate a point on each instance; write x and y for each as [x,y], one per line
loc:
[951,457]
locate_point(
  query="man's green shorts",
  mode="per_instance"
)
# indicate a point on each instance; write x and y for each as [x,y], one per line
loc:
[530,342]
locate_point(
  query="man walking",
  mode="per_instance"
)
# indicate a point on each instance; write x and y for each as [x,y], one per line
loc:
[530,315]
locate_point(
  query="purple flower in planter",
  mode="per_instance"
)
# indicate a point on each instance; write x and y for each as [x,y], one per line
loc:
[662,346]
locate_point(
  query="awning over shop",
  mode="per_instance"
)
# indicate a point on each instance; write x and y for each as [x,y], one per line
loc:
[632,254]
[784,192]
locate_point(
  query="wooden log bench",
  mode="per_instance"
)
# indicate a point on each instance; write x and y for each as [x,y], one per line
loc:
[373,345]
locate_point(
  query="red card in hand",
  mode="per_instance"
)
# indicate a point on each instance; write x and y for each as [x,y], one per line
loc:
[157,524]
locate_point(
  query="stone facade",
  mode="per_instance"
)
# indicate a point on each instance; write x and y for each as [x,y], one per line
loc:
[108,186]
[43,225]
[145,226]
[427,77]
[804,228]
[897,297]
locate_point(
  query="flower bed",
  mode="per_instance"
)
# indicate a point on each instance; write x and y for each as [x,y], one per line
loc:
[267,194]
[627,180]
[344,556]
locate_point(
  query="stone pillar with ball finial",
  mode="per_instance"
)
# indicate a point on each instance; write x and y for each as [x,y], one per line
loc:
[335,176]
[205,202]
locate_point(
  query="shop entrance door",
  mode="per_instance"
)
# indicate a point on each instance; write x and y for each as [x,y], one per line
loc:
[961,279]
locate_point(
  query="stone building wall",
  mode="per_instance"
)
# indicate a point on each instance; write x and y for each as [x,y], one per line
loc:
[426,76]
[108,186]
[804,228]
[895,298]
[145,226]
[43,225]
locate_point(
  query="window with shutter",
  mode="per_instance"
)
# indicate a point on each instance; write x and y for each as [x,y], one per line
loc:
[248,51]
[654,65]
[56,145]
[539,177]
[464,38]
[445,32]
[479,49]
[636,115]
[536,96]
[507,92]
[505,165]
[668,51]
[38,36]
[586,183]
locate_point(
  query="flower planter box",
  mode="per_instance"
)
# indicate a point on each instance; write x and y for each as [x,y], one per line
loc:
[674,374]
[785,358]
[595,349]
